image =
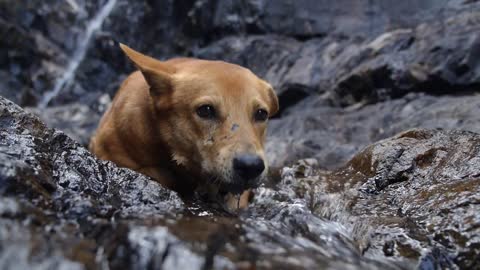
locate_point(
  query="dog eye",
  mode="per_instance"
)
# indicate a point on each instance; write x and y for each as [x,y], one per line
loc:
[261,115]
[206,111]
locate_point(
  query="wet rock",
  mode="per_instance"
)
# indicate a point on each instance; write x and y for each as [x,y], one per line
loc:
[309,18]
[61,207]
[78,121]
[427,183]
[411,199]
[105,66]
[51,164]
[413,196]
[437,57]
[55,192]
[38,39]
[332,135]
[319,46]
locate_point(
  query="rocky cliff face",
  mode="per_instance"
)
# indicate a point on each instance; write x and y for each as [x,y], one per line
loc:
[348,74]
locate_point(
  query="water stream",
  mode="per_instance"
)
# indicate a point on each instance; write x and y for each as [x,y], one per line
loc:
[83,43]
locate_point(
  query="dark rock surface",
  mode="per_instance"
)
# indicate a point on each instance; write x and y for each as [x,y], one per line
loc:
[408,201]
[356,50]
[63,208]
[77,120]
[332,135]
[351,53]
[305,19]
[424,185]
[438,57]
[37,40]
[415,195]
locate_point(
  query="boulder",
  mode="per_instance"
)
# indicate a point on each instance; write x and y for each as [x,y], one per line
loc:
[63,208]
[305,19]
[60,207]
[39,38]
[391,48]
[419,189]
[412,196]
[438,57]
[76,120]
[410,200]
[315,129]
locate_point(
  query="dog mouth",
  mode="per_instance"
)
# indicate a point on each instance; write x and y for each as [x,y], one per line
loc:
[233,188]
[238,186]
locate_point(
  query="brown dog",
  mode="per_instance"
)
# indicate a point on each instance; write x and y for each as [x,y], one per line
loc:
[190,124]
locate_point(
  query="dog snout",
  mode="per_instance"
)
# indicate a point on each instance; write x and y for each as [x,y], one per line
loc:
[248,166]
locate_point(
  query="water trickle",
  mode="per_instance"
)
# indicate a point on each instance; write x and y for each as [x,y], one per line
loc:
[80,52]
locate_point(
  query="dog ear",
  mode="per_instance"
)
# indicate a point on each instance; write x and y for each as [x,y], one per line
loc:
[273,99]
[156,73]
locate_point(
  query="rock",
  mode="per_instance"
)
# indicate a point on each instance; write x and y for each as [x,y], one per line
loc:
[414,196]
[41,38]
[305,19]
[44,39]
[321,46]
[405,200]
[332,135]
[78,121]
[84,213]
[427,183]
[58,197]
[105,66]
[436,57]
[57,168]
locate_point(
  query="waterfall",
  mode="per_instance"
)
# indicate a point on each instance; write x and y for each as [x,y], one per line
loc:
[80,52]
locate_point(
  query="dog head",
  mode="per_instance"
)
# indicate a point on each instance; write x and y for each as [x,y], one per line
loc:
[213,117]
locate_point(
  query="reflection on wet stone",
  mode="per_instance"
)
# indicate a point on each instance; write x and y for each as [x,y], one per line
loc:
[58,199]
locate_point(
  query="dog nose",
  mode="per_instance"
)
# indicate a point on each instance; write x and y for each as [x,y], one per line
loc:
[248,166]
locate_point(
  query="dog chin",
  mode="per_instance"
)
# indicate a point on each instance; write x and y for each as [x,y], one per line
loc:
[235,186]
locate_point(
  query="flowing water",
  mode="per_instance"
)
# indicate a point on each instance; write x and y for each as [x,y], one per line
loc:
[83,44]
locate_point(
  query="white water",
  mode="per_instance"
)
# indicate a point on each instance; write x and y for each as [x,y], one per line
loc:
[80,52]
